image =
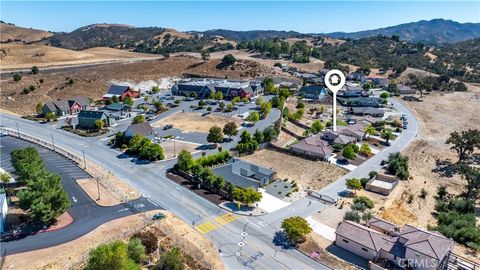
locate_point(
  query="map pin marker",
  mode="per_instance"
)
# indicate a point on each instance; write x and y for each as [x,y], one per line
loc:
[334,80]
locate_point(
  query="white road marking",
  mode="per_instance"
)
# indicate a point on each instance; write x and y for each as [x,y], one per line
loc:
[74,199]
[152,202]
[121,210]
[252,223]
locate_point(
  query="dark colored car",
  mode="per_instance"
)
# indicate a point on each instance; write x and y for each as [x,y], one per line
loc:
[169,126]
[343,161]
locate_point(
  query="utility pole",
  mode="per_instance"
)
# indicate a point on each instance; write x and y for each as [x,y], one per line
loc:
[18,130]
[53,143]
[174,148]
[98,189]
[84,160]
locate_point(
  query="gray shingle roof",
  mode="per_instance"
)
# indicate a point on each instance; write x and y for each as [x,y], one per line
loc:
[242,173]
[143,129]
[117,89]
[362,235]
[91,114]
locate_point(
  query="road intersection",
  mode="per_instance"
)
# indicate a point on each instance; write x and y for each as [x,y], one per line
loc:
[243,241]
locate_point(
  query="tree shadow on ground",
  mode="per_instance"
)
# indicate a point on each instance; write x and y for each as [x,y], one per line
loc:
[280,239]
[444,168]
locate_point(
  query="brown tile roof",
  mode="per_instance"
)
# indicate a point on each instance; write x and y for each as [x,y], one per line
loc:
[362,235]
[144,129]
[382,224]
[315,145]
[433,244]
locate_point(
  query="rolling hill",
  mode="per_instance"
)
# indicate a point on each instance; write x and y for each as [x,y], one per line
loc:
[436,31]
[13,33]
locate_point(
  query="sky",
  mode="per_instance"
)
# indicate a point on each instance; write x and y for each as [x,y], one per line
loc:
[305,17]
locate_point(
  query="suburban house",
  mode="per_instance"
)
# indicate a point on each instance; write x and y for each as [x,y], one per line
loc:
[390,246]
[356,76]
[357,131]
[3,211]
[343,136]
[202,88]
[65,107]
[352,91]
[120,91]
[313,92]
[406,90]
[244,174]
[378,80]
[375,112]
[87,119]
[360,102]
[315,80]
[143,129]
[313,147]
[118,107]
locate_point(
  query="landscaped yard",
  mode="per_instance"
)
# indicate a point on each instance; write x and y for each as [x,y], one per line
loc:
[307,173]
[195,122]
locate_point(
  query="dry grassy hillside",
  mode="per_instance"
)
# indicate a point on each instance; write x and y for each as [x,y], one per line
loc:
[25,56]
[94,81]
[20,34]
[438,115]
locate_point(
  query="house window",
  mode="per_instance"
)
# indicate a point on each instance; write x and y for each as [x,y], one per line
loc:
[346,241]
[364,249]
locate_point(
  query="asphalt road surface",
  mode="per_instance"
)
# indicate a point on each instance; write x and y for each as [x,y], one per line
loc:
[86,214]
[246,242]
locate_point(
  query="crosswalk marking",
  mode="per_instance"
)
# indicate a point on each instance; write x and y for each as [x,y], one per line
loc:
[219,221]
[206,227]
[225,219]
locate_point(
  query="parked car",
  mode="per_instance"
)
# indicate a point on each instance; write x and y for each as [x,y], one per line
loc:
[189,99]
[343,161]
[405,126]
[169,126]
[151,117]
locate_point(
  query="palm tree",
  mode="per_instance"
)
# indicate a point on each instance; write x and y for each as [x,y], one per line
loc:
[370,130]
[387,135]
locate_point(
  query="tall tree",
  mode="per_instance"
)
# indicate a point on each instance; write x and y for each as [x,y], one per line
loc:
[296,228]
[215,135]
[230,129]
[464,143]
[205,55]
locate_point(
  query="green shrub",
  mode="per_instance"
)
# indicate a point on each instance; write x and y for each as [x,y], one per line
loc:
[364,200]
[353,216]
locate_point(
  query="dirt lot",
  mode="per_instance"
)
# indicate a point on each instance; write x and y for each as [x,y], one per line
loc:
[308,174]
[284,139]
[457,111]
[94,81]
[195,122]
[170,148]
[107,198]
[72,255]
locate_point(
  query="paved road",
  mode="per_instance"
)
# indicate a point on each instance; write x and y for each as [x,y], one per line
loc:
[243,243]
[371,164]
[86,214]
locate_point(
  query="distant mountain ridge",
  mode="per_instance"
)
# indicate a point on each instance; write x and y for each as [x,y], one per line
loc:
[436,31]
[251,34]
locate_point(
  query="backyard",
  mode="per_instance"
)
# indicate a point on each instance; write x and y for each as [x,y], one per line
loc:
[307,173]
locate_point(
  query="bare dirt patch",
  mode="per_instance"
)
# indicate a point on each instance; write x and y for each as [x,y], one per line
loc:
[171,148]
[94,81]
[106,197]
[194,122]
[307,173]
[438,115]
[26,56]
[72,255]
[14,32]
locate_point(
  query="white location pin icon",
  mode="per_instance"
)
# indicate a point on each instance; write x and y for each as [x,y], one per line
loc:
[334,80]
